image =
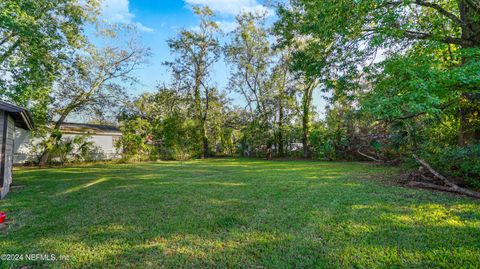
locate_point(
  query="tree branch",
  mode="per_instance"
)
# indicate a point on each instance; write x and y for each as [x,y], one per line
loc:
[449,186]
[429,36]
[442,11]
[369,157]
[406,117]
[425,185]
[432,171]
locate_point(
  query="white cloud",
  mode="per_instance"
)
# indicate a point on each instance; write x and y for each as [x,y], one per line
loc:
[227,26]
[232,7]
[116,11]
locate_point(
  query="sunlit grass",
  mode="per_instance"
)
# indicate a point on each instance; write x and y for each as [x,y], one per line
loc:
[86,185]
[228,213]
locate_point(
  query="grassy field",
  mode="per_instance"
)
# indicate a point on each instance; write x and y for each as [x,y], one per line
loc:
[235,213]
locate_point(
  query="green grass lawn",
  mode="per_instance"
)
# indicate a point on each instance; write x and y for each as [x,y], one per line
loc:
[236,213]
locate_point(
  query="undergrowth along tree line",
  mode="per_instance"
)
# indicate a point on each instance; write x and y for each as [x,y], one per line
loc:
[399,78]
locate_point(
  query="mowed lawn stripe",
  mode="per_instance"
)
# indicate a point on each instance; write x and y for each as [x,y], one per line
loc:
[235,213]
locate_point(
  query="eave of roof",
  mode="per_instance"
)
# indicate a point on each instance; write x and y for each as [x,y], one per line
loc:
[67,132]
[22,116]
[85,128]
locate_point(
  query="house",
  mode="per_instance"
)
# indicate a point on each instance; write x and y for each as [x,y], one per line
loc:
[12,118]
[102,137]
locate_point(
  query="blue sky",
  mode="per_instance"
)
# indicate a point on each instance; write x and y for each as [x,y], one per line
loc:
[159,20]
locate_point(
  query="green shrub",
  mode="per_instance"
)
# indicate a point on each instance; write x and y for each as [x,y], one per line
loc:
[462,163]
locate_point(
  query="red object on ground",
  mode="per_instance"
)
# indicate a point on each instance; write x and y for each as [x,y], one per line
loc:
[2,217]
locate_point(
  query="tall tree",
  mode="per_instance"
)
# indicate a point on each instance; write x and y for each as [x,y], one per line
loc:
[307,67]
[366,26]
[95,80]
[306,90]
[197,50]
[280,81]
[35,39]
[250,56]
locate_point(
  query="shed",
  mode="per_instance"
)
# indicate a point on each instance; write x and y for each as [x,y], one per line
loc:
[11,117]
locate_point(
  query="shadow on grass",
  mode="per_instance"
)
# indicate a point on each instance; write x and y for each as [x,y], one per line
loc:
[237,213]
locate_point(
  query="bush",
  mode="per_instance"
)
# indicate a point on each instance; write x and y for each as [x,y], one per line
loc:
[328,144]
[462,163]
[73,149]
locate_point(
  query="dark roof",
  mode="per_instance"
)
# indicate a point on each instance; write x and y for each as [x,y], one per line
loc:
[88,128]
[23,118]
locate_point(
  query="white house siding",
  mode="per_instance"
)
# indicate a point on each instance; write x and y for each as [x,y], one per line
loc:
[105,144]
[23,149]
[27,149]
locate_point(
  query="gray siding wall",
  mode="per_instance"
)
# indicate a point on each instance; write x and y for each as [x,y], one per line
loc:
[8,136]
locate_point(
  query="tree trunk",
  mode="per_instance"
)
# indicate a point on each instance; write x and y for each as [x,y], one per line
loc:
[54,136]
[45,155]
[469,119]
[206,151]
[52,139]
[306,151]
[469,101]
[201,117]
[306,122]
[306,103]
[281,150]
[205,140]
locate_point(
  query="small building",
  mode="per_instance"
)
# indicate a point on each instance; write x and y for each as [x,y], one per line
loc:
[11,118]
[103,138]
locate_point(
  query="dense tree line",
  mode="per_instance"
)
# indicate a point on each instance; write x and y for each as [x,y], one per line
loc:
[403,76]
[400,78]
[401,81]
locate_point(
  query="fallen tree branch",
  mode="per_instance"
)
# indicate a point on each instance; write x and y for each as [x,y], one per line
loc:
[449,186]
[424,185]
[369,157]
[432,171]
